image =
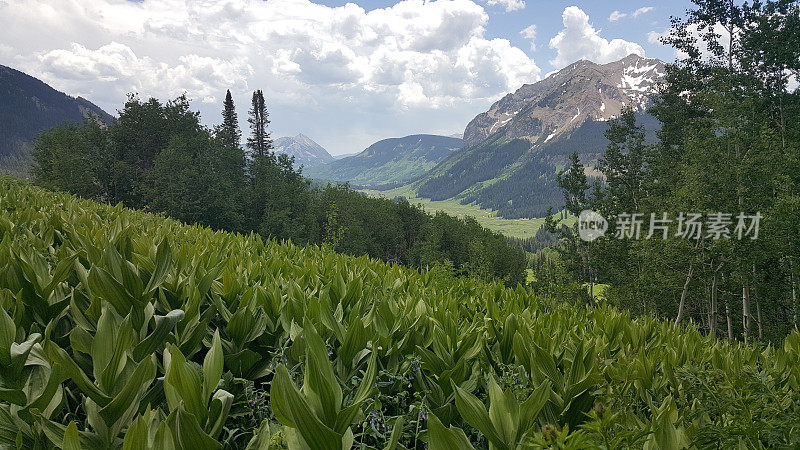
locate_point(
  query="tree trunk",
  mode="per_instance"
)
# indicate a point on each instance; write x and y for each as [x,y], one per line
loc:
[794,292]
[728,319]
[745,311]
[713,317]
[684,294]
[758,306]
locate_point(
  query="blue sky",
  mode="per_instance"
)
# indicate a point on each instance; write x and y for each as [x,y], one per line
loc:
[345,74]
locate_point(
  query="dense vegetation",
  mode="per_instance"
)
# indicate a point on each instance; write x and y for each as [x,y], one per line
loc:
[159,158]
[122,329]
[729,143]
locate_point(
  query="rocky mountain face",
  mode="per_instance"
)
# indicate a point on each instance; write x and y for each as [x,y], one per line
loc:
[513,151]
[29,106]
[389,161]
[306,152]
[563,101]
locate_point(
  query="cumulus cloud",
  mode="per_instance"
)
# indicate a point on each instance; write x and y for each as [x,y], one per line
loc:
[580,40]
[530,33]
[326,71]
[510,5]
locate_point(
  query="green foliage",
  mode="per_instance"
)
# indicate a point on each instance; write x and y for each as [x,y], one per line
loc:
[119,329]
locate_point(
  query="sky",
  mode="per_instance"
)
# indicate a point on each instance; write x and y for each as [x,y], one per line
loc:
[346,74]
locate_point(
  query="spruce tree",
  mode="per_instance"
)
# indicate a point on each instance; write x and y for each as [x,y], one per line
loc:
[229,131]
[259,141]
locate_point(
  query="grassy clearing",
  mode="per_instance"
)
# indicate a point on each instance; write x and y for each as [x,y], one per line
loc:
[517,228]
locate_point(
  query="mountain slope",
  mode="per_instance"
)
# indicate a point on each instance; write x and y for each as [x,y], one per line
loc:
[28,106]
[513,151]
[306,152]
[395,160]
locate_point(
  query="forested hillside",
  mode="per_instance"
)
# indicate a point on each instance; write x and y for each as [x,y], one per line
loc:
[389,161]
[29,106]
[720,187]
[122,329]
[158,157]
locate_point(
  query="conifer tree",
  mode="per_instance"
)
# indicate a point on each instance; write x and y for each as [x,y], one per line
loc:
[229,131]
[259,141]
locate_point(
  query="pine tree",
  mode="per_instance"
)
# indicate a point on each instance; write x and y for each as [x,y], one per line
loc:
[259,141]
[229,131]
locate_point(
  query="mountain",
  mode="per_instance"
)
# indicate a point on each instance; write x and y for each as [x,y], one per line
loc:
[390,161]
[513,151]
[29,106]
[583,91]
[306,152]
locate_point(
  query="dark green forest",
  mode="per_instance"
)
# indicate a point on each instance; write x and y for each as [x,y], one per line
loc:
[158,157]
[730,144]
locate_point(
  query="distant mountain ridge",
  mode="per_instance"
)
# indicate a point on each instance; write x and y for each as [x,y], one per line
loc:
[394,160]
[566,99]
[29,106]
[513,151]
[306,152]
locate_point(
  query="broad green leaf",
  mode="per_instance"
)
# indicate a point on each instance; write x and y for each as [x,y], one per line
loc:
[162,266]
[474,413]
[441,438]
[8,334]
[397,430]
[134,388]
[292,410]
[155,341]
[220,407]
[184,377]
[71,440]
[187,432]
[320,384]
[212,366]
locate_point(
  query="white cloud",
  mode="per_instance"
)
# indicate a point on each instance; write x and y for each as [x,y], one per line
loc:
[654,37]
[643,10]
[616,15]
[580,40]
[510,5]
[530,33]
[345,74]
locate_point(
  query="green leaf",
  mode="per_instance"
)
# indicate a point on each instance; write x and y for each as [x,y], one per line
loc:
[71,440]
[184,378]
[218,413]
[503,413]
[212,366]
[155,341]
[261,438]
[133,389]
[441,438]
[292,410]
[71,370]
[397,430]
[162,265]
[530,408]
[320,384]
[13,396]
[103,285]
[474,413]
[187,432]
[8,334]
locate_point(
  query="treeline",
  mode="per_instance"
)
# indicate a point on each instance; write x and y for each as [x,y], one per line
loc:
[729,144]
[158,157]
